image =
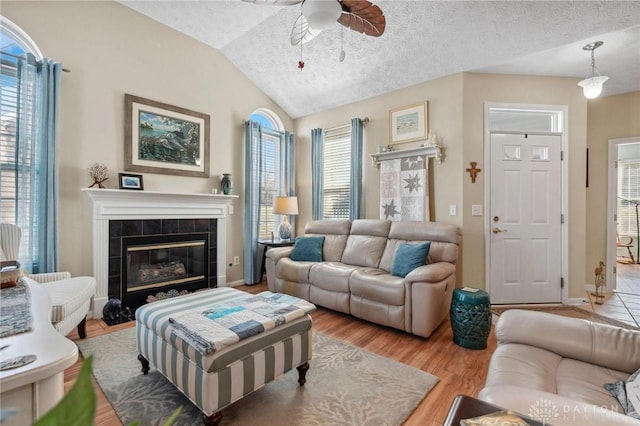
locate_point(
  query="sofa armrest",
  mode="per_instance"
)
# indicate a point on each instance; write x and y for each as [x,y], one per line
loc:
[601,344]
[50,277]
[556,409]
[428,292]
[278,253]
[431,273]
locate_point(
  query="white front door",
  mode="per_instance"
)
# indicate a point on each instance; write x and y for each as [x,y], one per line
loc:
[525,218]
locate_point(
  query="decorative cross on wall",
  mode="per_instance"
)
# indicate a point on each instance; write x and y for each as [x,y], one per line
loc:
[473,172]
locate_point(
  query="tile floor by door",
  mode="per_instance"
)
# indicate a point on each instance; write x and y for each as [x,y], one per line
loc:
[624,303]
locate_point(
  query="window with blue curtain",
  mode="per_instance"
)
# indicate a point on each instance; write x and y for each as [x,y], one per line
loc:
[269,172]
[337,171]
[28,182]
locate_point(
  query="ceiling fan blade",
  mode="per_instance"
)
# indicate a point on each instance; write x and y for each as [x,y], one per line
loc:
[363,17]
[275,2]
[302,32]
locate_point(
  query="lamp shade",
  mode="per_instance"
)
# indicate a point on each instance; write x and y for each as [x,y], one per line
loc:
[285,205]
[321,14]
[592,87]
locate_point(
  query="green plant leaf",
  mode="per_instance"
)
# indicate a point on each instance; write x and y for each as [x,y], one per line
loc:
[173,417]
[78,406]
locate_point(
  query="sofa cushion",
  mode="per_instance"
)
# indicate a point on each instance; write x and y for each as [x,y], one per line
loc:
[524,366]
[408,257]
[332,276]
[290,270]
[531,367]
[308,249]
[69,295]
[585,382]
[335,232]
[378,286]
[599,344]
[379,313]
[366,242]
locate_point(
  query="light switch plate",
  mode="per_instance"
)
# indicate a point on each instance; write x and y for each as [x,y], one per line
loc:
[453,210]
[476,210]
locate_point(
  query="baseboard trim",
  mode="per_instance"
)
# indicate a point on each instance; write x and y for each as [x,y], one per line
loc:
[233,283]
[575,301]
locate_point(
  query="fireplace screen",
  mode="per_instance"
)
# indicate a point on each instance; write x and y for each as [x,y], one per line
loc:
[152,264]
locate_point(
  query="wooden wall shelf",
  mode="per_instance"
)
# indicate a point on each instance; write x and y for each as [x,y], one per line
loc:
[431,151]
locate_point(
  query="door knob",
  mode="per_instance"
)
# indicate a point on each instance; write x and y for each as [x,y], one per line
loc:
[498,230]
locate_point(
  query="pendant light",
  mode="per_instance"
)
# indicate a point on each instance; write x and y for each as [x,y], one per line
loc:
[592,86]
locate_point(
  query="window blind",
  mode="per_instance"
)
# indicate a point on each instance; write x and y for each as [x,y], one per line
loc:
[269,176]
[337,172]
[8,129]
[16,162]
[628,195]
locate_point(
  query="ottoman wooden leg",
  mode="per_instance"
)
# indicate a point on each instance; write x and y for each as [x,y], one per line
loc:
[145,364]
[212,420]
[302,373]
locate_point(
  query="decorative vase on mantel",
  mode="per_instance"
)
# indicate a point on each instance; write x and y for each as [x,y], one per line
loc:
[225,183]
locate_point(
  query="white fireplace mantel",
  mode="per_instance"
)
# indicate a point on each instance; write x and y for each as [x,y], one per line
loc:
[116,204]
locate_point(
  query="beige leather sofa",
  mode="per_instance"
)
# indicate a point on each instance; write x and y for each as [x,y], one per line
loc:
[554,368]
[354,275]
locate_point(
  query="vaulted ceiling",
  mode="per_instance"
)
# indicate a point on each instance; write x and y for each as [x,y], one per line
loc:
[424,40]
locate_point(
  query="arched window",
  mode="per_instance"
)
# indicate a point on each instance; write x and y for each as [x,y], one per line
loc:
[29,88]
[272,182]
[267,119]
[15,43]
[269,173]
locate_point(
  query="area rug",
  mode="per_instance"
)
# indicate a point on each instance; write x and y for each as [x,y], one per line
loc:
[346,385]
[565,311]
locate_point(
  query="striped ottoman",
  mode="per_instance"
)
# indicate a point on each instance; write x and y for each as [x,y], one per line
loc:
[213,381]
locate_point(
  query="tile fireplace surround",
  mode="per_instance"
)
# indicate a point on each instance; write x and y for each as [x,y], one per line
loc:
[115,204]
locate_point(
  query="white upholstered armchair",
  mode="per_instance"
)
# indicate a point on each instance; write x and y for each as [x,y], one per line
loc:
[70,297]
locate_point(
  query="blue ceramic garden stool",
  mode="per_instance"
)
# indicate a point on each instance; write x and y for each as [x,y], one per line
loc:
[470,317]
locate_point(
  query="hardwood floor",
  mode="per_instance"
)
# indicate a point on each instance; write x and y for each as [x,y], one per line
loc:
[460,370]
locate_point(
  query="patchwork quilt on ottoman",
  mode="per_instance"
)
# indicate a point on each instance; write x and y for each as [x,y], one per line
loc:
[219,345]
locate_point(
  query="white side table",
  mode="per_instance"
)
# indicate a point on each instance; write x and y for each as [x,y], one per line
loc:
[35,388]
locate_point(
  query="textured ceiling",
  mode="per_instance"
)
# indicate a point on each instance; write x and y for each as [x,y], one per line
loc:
[423,40]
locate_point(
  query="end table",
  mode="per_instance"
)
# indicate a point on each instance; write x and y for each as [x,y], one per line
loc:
[269,244]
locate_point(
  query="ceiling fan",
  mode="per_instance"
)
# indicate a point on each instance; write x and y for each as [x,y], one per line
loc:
[358,15]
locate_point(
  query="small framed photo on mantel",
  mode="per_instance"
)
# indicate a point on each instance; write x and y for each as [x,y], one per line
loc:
[409,123]
[130,181]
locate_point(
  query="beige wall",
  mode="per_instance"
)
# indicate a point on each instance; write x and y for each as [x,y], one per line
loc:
[480,88]
[112,50]
[612,117]
[445,115]
[456,114]
[445,118]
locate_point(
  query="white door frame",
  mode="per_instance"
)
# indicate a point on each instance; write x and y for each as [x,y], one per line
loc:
[564,134]
[612,207]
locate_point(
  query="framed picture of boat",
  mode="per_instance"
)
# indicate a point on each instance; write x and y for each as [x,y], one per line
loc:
[408,123]
[165,139]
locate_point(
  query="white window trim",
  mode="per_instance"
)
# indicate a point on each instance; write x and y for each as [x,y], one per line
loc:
[22,38]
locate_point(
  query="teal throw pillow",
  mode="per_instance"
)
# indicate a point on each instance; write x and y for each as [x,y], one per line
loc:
[307,249]
[408,257]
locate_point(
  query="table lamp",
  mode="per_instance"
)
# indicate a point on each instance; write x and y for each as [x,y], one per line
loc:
[285,206]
